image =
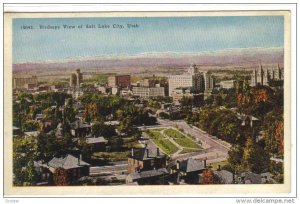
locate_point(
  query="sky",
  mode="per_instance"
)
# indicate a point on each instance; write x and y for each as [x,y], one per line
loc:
[153,34]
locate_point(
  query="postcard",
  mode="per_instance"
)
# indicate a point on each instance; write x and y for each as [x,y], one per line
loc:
[147,103]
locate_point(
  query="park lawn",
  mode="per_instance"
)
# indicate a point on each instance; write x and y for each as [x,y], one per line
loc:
[165,145]
[181,139]
[187,150]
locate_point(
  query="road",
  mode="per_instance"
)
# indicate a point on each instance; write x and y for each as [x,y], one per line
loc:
[115,167]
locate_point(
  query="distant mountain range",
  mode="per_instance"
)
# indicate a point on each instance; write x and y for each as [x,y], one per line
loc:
[236,56]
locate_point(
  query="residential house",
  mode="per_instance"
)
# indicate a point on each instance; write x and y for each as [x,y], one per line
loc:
[80,129]
[146,159]
[97,143]
[248,178]
[189,170]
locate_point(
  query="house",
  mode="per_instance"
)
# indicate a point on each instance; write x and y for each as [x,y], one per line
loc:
[155,176]
[247,120]
[80,129]
[97,143]
[248,178]
[267,178]
[73,167]
[224,176]
[146,159]
[189,170]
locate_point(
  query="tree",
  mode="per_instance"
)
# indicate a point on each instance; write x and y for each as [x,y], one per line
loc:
[255,159]
[30,174]
[69,113]
[235,157]
[30,125]
[100,129]
[207,177]
[273,133]
[47,146]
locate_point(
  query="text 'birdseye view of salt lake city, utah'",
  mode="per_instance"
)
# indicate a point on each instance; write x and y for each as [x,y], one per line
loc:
[185,100]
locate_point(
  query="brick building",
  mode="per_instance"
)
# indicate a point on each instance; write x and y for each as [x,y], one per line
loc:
[146,159]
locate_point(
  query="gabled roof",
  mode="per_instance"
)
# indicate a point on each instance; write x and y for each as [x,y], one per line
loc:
[67,162]
[244,117]
[147,153]
[191,165]
[148,174]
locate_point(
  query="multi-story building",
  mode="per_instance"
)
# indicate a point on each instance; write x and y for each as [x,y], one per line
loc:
[198,81]
[76,79]
[20,82]
[121,81]
[209,81]
[147,92]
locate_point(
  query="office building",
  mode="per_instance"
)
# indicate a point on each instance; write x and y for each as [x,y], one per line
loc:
[76,79]
[198,81]
[20,82]
[146,92]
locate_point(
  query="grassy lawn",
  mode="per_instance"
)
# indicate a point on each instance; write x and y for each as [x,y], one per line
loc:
[215,165]
[181,139]
[111,156]
[165,145]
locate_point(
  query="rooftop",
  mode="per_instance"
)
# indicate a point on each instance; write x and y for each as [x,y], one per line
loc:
[67,162]
[94,140]
[191,165]
[148,174]
[225,176]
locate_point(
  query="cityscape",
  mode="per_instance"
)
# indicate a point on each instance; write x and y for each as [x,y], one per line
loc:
[166,119]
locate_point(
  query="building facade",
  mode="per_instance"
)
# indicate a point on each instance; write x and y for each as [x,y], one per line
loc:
[146,159]
[20,82]
[146,92]
[121,81]
[263,76]
[76,79]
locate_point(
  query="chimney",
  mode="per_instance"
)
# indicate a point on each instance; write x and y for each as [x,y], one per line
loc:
[147,151]
[79,158]
[177,164]
[157,150]
[132,152]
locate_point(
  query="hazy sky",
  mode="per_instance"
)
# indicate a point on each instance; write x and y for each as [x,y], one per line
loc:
[154,34]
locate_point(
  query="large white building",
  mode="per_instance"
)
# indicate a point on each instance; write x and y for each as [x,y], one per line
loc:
[198,81]
[147,92]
